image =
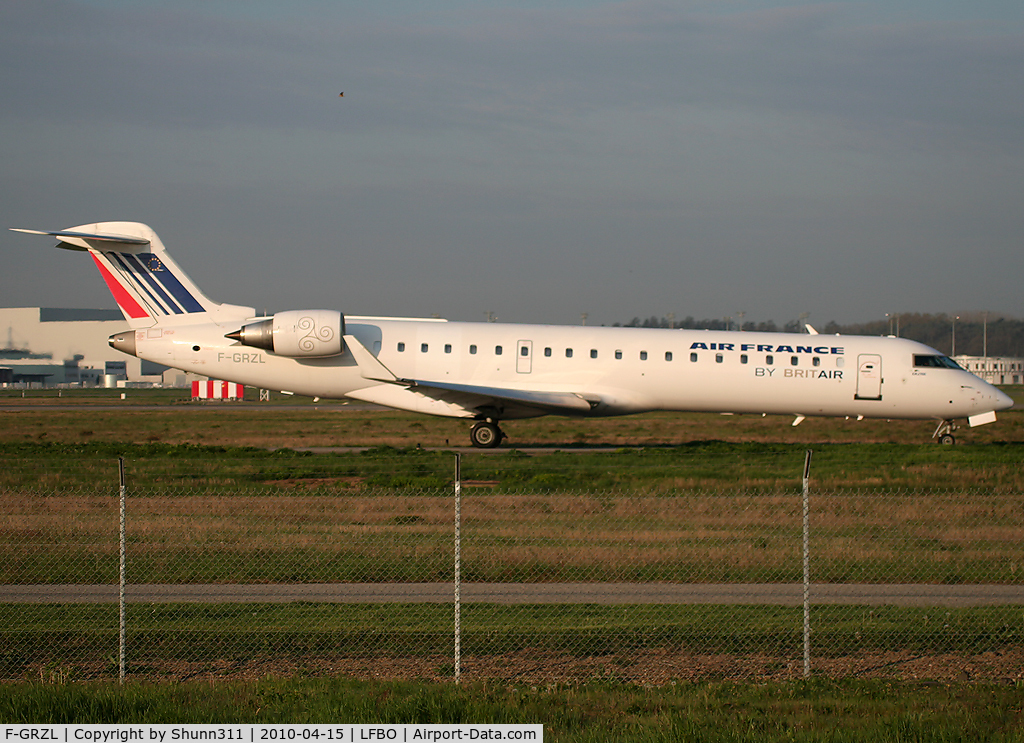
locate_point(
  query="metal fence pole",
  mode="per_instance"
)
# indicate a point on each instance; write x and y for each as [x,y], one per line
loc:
[120,594]
[807,565]
[458,566]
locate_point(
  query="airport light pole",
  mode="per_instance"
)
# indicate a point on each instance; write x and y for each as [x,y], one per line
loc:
[984,337]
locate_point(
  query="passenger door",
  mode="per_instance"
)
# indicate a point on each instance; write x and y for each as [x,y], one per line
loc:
[869,377]
[524,357]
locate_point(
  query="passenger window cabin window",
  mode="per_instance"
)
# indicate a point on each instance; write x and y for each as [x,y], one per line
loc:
[497,350]
[840,362]
[568,353]
[794,360]
[524,350]
[447,347]
[743,358]
[472,348]
[816,361]
[423,348]
[769,360]
[401,347]
[668,355]
[547,351]
[643,355]
[618,354]
[718,358]
[593,353]
[693,356]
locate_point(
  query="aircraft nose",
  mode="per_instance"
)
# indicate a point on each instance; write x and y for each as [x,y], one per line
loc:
[1003,401]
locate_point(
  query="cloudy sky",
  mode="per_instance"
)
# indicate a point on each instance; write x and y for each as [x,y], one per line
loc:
[537,160]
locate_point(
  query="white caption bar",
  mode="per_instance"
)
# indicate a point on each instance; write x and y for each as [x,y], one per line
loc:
[266,733]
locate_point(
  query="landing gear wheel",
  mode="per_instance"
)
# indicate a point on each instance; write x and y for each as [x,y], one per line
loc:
[486,435]
[944,433]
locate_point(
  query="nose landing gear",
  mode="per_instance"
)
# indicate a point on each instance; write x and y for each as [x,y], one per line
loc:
[486,434]
[944,433]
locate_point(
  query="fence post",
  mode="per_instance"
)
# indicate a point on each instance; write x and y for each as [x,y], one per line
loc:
[807,565]
[120,592]
[458,566]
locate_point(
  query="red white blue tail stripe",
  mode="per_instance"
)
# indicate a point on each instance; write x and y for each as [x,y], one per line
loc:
[153,282]
[146,283]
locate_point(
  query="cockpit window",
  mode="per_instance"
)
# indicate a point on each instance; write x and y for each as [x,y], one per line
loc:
[940,362]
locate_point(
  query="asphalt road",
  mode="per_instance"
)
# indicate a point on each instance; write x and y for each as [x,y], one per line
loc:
[789,594]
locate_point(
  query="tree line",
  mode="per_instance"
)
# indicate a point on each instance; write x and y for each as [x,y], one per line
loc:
[975,334]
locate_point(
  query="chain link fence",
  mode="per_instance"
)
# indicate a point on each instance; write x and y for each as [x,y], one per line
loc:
[268,571]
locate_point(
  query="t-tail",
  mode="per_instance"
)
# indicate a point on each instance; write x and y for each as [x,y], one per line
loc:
[147,284]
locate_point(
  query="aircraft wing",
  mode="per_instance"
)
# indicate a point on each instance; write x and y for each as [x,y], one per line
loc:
[471,398]
[490,397]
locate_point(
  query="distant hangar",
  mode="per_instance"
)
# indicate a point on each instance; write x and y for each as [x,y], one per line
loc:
[53,346]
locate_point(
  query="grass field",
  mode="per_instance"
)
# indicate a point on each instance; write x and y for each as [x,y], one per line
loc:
[228,494]
[719,712]
[166,416]
[543,643]
[698,465]
[190,536]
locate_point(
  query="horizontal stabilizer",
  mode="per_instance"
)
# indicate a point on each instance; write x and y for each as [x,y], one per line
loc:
[77,240]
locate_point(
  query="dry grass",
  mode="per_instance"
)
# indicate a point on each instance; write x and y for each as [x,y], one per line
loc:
[689,538]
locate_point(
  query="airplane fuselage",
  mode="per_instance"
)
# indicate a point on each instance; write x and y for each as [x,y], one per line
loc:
[490,372]
[622,370]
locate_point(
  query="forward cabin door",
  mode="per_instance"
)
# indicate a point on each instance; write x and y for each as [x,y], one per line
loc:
[869,377]
[524,357]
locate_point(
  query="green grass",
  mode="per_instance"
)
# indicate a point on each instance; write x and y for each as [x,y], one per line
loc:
[81,640]
[722,712]
[700,511]
[698,465]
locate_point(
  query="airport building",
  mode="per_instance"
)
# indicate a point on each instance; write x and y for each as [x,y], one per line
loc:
[994,369]
[50,347]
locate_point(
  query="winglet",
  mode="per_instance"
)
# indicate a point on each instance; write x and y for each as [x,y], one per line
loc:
[369,365]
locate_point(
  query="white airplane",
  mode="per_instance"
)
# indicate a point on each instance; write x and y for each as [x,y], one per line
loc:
[488,372]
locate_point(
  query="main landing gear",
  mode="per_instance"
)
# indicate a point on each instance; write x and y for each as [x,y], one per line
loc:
[486,434]
[944,433]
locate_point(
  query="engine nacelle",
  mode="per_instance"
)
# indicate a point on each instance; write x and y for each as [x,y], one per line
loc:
[296,333]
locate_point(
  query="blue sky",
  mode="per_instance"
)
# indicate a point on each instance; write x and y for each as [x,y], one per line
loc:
[537,160]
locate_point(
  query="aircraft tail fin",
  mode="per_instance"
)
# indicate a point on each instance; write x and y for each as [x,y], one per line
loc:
[147,284]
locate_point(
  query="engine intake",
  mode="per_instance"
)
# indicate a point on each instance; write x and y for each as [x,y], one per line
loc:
[296,333]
